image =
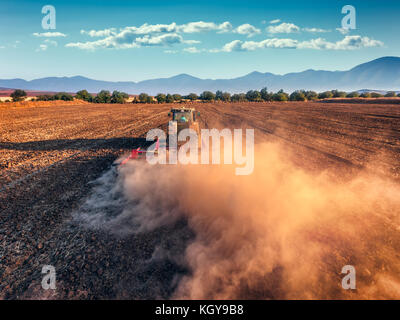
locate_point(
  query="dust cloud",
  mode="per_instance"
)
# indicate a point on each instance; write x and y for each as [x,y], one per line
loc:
[279,233]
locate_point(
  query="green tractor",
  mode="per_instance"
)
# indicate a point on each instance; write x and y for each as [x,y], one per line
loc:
[182,118]
[185,118]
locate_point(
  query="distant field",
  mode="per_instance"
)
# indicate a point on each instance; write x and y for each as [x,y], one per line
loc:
[348,133]
[345,135]
[35,137]
[50,154]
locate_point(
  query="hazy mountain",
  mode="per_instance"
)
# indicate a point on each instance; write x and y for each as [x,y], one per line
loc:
[379,74]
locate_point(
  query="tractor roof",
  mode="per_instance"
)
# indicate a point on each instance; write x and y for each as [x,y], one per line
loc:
[183,109]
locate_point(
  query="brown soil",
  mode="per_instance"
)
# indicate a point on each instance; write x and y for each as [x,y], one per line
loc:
[50,154]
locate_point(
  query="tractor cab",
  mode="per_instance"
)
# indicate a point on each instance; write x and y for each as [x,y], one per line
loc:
[185,118]
[183,115]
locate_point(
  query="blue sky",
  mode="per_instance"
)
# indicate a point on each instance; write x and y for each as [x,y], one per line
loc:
[138,40]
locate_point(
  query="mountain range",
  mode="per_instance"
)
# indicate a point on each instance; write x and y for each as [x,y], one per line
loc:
[379,74]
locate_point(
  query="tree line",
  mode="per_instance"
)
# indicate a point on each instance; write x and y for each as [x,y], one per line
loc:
[105,96]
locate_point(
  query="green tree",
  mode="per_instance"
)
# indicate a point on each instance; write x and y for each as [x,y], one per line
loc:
[219,95]
[144,98]
[390,94]
[84,95]
[280,96]
[161,98]
[226,97]
[238,97]
[63,96]
[192,96]
[325,95]
[265,95]
[103,96]
[177,97]
[18,95]
[365,95]
[297,96]
[207,96]
[45,97]
[119,97]
[353,94]
[135,99]
[311,95]
[338,94]
[253,95]
[169,98]
[376,95]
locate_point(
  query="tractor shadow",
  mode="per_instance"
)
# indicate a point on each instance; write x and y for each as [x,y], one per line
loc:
[76,144]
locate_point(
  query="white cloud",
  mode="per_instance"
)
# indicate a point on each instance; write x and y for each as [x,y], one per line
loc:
[161,40]
[201,26]
[343,30]
[152,28]
[192,50]
[191,41]
[127,40]
[247,29]
[148,35]
[347,43]
[283,28]
[42,47]
[315,30]
[109,42]
[275,21]
[224,27]
[269,43]
[51,42]
[238,45]
[191,27]
[99,33]
[165,35]
[46,44]
[235,45]
[49,34]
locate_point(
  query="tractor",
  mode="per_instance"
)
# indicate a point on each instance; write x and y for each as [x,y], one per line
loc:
[185,118]
[182,118]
